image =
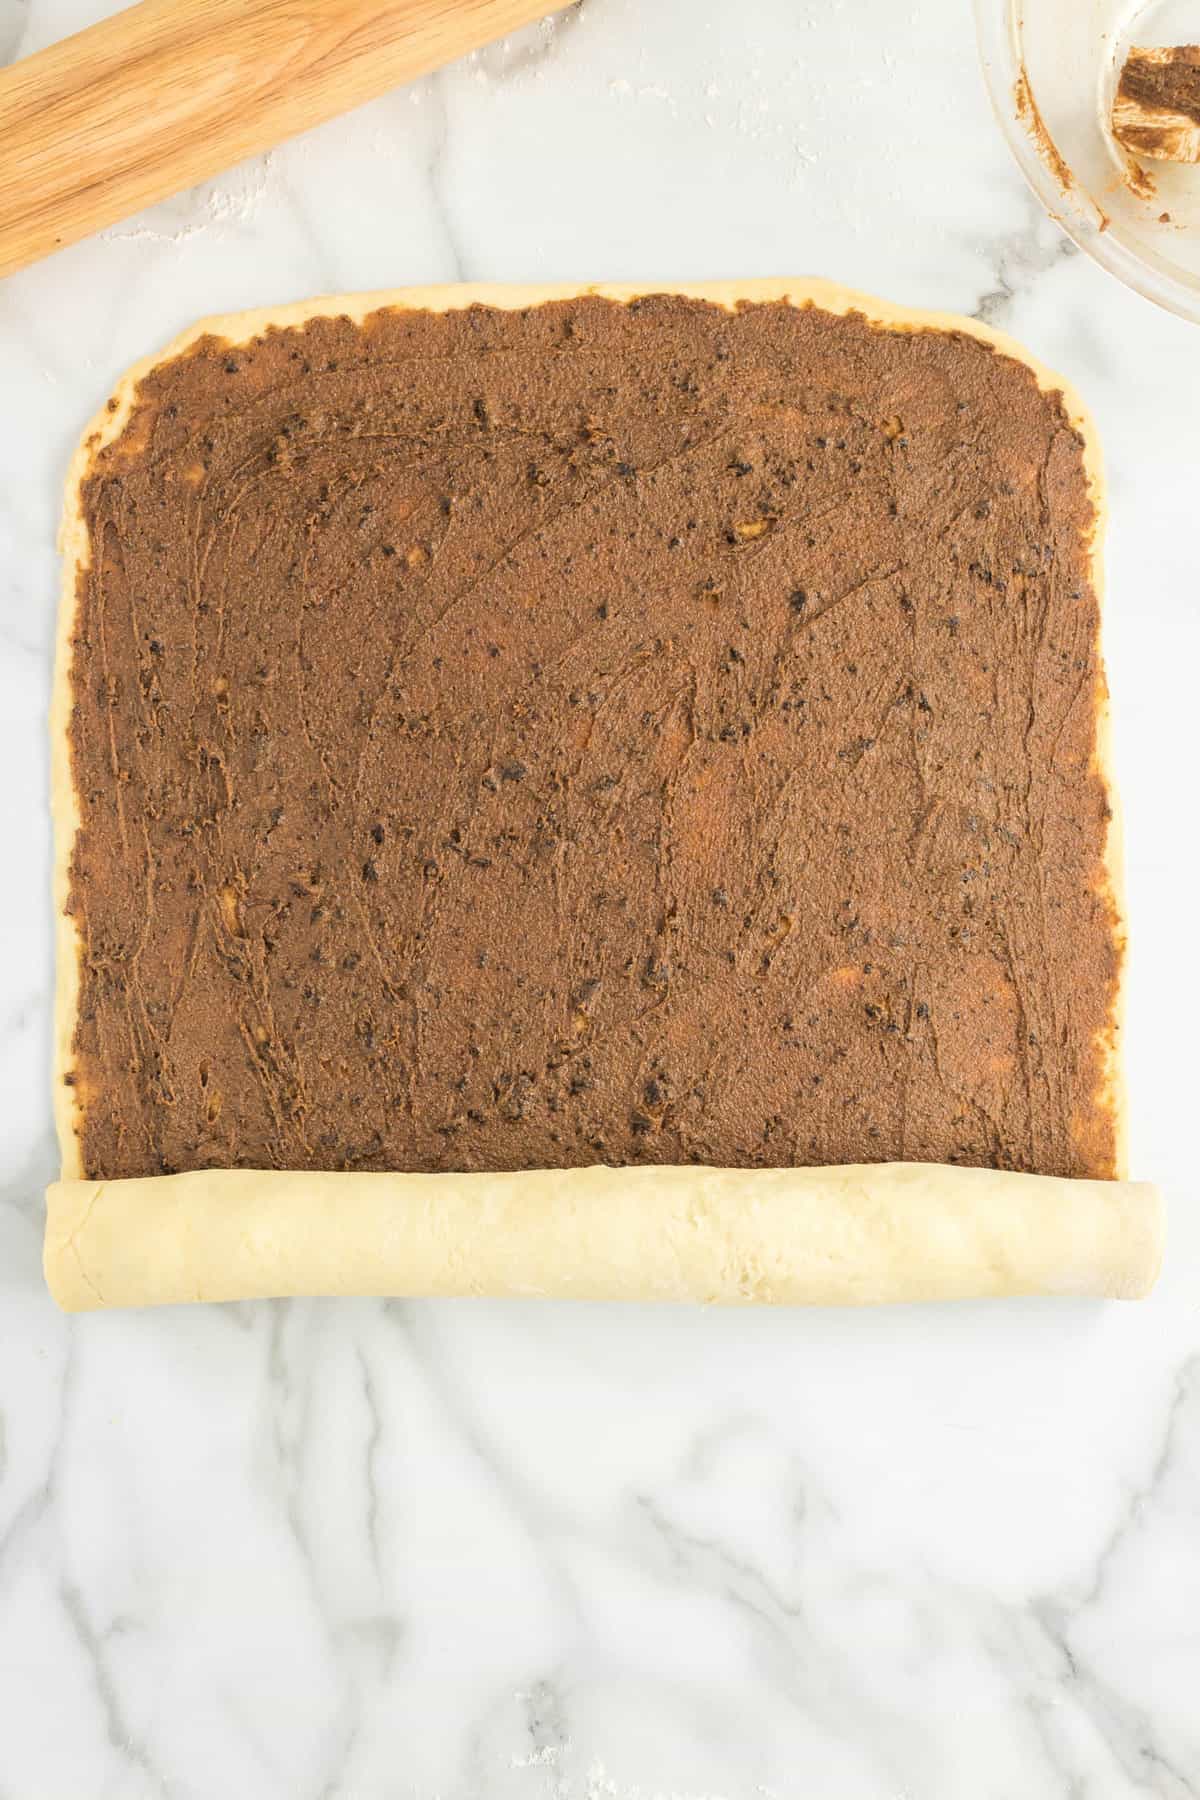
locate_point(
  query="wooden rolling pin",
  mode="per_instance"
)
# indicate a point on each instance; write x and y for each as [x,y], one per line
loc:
[169,92]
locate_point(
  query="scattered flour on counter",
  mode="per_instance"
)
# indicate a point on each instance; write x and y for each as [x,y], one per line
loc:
[220,208]
[727,100]
[598,1784]
[601,1786]
[649,90]
[547,1755]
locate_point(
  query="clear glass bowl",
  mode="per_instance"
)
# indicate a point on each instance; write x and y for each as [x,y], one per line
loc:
[1051,68]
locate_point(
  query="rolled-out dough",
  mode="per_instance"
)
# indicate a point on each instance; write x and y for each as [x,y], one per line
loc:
[871,1233]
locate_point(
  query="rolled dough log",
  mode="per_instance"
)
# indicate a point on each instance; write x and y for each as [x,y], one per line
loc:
[840,1236]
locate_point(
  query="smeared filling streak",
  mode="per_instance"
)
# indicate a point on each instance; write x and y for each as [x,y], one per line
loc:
[594,733]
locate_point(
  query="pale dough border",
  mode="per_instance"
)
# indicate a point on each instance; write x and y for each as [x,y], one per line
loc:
[239,328]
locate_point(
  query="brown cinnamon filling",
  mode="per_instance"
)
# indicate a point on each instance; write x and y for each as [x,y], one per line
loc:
[593,733]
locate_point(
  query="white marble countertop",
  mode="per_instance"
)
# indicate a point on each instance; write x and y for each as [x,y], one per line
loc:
[539,1552]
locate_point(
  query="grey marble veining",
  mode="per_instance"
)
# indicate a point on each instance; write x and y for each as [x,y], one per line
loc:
[364,1551]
